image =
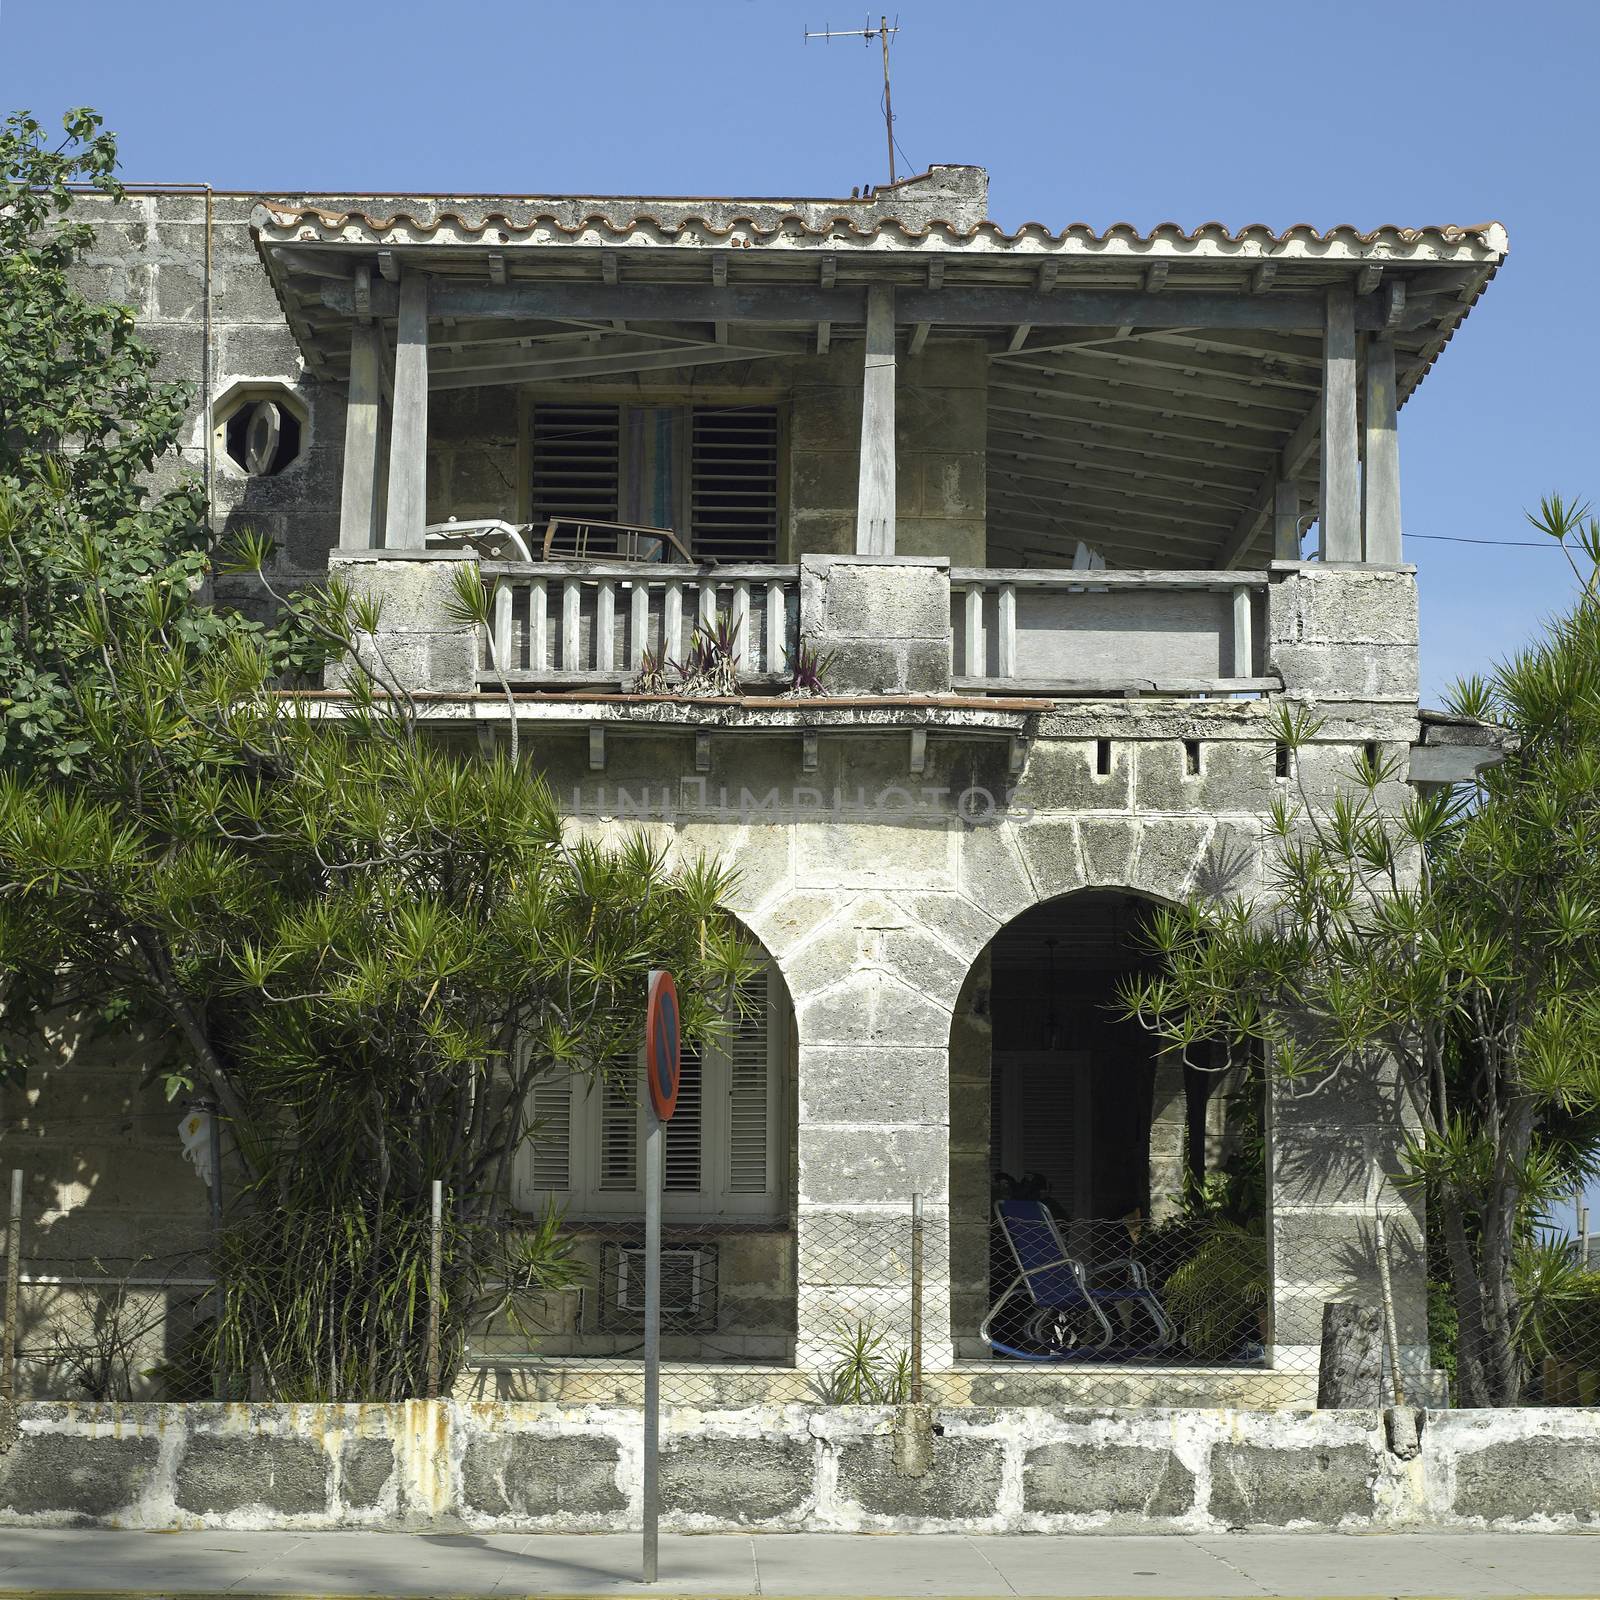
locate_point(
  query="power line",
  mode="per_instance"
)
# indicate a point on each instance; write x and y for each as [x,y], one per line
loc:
[1461,538]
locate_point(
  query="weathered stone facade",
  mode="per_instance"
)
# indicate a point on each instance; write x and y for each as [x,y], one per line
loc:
[900,824]
[524,1467]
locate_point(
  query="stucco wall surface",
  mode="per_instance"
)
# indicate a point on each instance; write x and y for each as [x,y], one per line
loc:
[509,1466]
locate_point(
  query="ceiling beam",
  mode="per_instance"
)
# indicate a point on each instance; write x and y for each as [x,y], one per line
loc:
[1089,450]
[1268,407]
[1208,441]
[949,306]
[594,364]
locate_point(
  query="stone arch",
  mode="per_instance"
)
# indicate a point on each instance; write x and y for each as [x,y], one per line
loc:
[1030,1045]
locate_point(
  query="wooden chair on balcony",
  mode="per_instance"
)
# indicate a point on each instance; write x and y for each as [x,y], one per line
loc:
[573,539]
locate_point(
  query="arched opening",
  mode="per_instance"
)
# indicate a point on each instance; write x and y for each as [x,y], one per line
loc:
[1071,1120]
[727,1261]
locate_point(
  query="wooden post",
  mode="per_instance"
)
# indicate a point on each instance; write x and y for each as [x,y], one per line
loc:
[435,1286]
[1286,520]
[915,1397]
[1380,481]
[8,1348]
[359,521]
[875,495]
[1340,501]
[1350,1377]
[408,430]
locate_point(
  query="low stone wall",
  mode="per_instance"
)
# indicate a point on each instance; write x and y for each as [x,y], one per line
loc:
[520,1466]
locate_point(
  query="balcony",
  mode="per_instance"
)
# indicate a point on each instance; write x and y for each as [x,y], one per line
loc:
[886,626]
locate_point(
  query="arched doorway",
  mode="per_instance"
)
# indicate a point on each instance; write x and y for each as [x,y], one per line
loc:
[1058,1099]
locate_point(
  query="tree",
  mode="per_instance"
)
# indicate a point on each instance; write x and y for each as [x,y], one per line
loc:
[363,943]
[1455,935]
[84,425]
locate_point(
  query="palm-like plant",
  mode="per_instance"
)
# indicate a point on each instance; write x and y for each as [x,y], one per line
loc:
[1455,937]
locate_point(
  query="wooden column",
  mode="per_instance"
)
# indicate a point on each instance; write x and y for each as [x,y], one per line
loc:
[1340,502]
[1380,483]
[876,492]
[1286,520]
[359,504]
[408,431]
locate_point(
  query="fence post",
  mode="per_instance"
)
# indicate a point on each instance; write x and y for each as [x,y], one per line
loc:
[435,1272]
[916,1300]
[1391,1333]
[219,1373]
[8,1350]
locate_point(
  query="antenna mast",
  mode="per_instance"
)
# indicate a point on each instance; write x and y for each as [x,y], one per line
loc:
[867,34]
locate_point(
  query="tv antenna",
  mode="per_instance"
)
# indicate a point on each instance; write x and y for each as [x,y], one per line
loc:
[867,34]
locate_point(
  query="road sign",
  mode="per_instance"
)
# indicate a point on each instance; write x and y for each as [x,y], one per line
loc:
[662,1047]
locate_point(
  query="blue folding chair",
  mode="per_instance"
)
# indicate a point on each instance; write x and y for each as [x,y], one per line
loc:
[1062,1319]
[1068,1316]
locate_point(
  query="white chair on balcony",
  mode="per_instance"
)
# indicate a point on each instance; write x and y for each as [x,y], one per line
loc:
[489,536]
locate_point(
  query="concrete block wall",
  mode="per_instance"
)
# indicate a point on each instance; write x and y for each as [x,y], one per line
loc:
[1344,640]
[150,254]
[523,1466]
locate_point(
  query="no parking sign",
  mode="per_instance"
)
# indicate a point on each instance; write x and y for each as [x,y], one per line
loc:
[663,1057]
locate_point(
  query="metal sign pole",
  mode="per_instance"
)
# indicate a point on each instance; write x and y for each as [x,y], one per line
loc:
[655,1140]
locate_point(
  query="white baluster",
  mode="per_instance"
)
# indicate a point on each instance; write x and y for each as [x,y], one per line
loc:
[502,625]
[571,600]
[777,629]
[977,643]
[1243,643]
[538,627]
[1008,630]
[605,619]
[640,625]
[672,622]
[708,602]
[741,627]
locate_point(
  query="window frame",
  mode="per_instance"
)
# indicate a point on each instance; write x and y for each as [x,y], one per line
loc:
[586,1199]
[686,401]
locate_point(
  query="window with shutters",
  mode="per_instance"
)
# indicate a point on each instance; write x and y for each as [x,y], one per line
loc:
[723,1144]
[709,472]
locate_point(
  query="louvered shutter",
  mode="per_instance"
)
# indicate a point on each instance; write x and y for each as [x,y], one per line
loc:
[552,1133]
[685,1147]
[575,470]
[619,1131]
[733,483]
[749,1093]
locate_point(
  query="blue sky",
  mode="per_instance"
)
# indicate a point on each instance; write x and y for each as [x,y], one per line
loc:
[1399,111]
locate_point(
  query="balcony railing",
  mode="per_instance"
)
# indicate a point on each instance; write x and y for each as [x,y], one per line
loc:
[571,624]
[1056,632]
[565,624]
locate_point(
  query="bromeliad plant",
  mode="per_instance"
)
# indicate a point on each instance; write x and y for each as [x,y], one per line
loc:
[710,664]
[1455,936]
[808,672]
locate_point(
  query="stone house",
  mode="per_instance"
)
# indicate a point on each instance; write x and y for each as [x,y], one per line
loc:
[1042,501]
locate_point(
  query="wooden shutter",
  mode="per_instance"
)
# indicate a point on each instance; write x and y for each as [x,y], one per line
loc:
[733,483]
[619,1131]
[685,1154]
[749,1093]
[552,1133]
[576,463]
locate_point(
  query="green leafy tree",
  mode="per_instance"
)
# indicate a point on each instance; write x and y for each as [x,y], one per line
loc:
[362,942]
[1453,937]
[87,429]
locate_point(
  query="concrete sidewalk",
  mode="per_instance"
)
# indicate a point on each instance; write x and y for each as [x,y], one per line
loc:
[55,1561]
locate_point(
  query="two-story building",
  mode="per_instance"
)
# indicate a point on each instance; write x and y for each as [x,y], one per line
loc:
[1065,516]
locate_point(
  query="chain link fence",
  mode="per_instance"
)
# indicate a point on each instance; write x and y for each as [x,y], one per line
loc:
[881,1305]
